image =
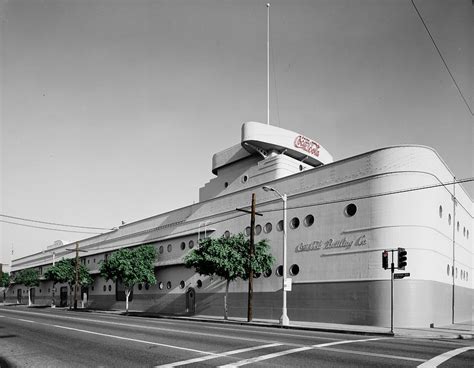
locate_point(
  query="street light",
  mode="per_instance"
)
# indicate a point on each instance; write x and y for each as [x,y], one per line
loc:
[284,320]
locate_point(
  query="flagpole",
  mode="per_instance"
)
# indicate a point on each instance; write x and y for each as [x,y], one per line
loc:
[268,63]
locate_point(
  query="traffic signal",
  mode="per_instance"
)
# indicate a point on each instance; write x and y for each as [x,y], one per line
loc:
[402,258]
[384,259]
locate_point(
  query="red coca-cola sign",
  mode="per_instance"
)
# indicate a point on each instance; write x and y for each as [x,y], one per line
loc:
[307,145]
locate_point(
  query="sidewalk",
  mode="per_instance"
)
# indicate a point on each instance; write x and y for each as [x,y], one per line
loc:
[455,331]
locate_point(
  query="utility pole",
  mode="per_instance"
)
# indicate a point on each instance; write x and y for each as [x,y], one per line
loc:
[251,253]
[76,284]
[77,276]
[252,213]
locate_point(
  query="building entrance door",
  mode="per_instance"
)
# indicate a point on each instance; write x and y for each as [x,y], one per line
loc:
[32,295]
[63,296]
[191,301]
[18,296]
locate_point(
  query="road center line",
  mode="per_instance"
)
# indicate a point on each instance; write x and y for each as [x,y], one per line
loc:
[437,360]
[292,351]
[214,356]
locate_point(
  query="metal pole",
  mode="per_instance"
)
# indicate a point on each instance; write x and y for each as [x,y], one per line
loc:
[284,320]
[454,247]
[391,295]
[268,63]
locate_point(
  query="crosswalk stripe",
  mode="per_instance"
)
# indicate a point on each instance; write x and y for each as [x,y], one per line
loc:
[217,355]
[291,351]
[437,360]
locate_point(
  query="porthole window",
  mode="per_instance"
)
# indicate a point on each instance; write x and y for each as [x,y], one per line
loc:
[140,286]
[280,225]
[301,167]
[309,220]
[247,231]
[147,286]
[182,284]
[49,290]
[160,249]
[93,260]
[245,178]
[40,291]
[256,275]
[199,283]
[267,273]
[294,270]
[457,226]
[467,234]
[105,288]
[168,285]
[160,285]
[92,288]
[350,210]
[267,228]
[295,222]
[227,234]
[464,231]
[226,184]
[110,287]
[279,271]
[447,270]
[191,244]
[440,211]
[88,261]
[467,276]
[449,219]
[169,248]
[258,229]
[183,245]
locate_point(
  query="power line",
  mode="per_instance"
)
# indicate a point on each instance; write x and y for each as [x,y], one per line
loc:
[52,223]
[47,228]
[441,56]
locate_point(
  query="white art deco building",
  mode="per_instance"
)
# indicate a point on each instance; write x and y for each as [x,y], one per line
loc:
[341,216]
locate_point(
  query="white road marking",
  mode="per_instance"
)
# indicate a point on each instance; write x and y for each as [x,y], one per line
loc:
[214,356]
[437,360]
[145,327]
[365,353]
[130,339]
[292,351]
[26,320]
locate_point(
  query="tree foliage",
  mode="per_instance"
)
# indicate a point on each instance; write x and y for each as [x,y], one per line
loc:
[228,258]
[64,271]
[130,266]
[5,280]
[28,277]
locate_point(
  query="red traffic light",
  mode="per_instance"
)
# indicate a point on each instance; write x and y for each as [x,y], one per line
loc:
[384,259]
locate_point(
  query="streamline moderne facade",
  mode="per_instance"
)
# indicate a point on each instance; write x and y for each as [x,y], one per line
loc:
[341,216]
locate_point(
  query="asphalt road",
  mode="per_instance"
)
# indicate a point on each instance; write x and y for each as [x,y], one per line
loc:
[62,338]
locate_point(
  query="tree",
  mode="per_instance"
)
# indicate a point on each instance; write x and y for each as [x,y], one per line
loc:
[228,258]
[64,271]
[4,283]
[130,266]
[28,277]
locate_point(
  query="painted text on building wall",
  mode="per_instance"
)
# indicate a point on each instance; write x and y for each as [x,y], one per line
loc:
[343,244]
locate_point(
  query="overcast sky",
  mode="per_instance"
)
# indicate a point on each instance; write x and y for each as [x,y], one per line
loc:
[111,110]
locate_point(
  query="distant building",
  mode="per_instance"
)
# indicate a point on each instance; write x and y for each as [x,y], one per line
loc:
[342,216]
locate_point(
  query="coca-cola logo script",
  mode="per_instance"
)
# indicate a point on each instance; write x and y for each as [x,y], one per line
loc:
[307,145]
